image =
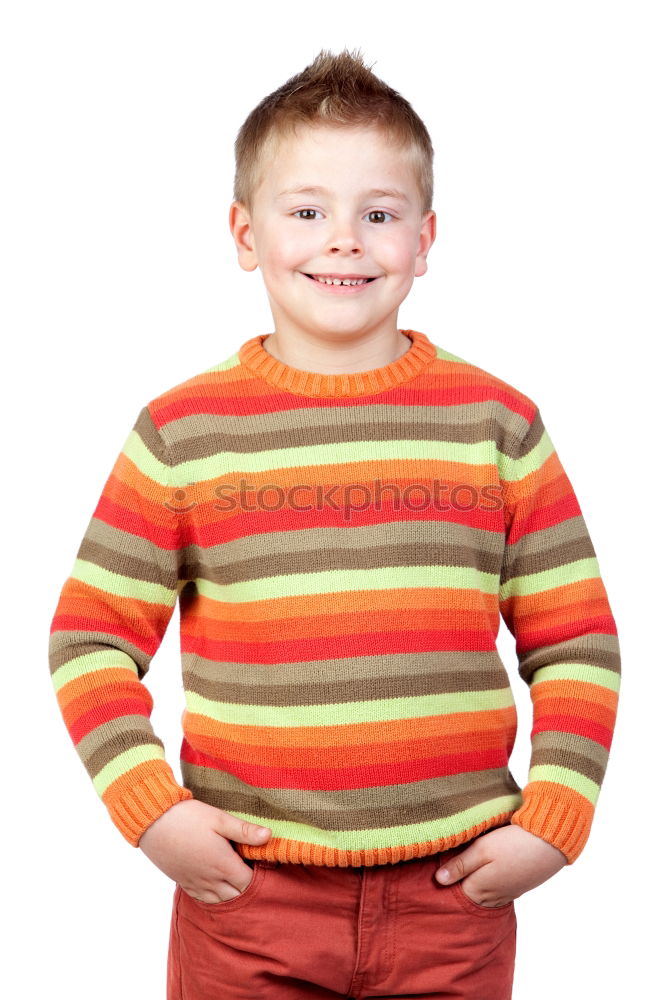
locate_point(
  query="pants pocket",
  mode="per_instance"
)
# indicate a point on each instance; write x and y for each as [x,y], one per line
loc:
[259,870]
[471,904]
[465,901]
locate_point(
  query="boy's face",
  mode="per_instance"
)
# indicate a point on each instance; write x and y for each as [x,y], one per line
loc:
[364,220]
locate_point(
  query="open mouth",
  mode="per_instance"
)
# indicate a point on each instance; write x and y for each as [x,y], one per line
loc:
[346,282]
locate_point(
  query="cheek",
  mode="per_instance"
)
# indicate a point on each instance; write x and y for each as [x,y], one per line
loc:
[397,252]
[292,250]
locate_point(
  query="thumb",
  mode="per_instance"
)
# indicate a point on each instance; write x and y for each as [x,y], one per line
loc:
[244,832]
[458,866]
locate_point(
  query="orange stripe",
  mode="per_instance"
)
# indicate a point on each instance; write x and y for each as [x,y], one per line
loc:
[565,597]
[477,730]
[339,624]
[573,691]
[299,606]
[542,486]
[126,482]
[85,690]
[81,599]
[578,707]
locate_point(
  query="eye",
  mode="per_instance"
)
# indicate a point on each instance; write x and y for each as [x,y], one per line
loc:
[301,210]
[386,215]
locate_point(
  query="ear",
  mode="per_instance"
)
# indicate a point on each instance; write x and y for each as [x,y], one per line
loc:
[240,223]
[426,240]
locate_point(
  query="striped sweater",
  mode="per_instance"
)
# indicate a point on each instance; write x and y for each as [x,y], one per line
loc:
[341,548]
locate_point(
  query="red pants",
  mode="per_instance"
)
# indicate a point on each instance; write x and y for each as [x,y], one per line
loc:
[302,931]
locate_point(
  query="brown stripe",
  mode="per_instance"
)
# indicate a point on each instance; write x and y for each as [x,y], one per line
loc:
[68,645]
[570,760]
[104,743]
[355,686]
[111,548]
[208,435]
[549,742]
[391,544]
[598,649]
[150,435]
[520,448]
[354,809]
[125,565]
[356,538]
[378,557]
[279,555]
[373,668]
[551,548]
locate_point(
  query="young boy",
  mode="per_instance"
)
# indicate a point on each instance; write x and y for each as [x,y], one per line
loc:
[343,510]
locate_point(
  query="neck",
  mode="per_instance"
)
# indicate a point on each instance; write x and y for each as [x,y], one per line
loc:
[337,357]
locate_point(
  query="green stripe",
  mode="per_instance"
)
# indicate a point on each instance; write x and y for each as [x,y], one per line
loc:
[339,581]
[123,586]
[90,663]
[403,452]
[392,836]
[447,356]
[577,672]
[124,763]
[145,461]
[565,776]
[224,366]
[351,712]
[559,576]
[513,469]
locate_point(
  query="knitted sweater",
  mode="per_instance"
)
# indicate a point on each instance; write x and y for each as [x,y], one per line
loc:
[341,548]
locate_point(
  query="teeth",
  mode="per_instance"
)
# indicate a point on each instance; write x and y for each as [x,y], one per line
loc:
[339,281]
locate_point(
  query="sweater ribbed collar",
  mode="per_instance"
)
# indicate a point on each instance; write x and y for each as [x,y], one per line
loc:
[253,355]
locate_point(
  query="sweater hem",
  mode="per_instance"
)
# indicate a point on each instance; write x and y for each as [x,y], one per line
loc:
[297,852]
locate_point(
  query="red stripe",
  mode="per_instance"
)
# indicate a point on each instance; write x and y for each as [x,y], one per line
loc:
[77,623]
[544,517]
[581,628]
[220,399]
[127,520]
[341,778]
[573,724]
[334,646]
[240,523]
[108,712]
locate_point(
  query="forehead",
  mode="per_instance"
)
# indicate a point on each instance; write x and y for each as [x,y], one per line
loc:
[353,158]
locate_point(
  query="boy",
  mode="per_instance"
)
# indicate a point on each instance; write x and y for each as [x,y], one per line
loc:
[343,510]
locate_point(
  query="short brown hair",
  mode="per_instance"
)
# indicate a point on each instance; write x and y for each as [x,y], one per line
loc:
[339,91]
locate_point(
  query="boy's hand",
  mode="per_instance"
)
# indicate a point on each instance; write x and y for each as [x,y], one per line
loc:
[501,865]
[190,844]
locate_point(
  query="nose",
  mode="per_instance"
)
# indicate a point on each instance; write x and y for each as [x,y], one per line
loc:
[344,239]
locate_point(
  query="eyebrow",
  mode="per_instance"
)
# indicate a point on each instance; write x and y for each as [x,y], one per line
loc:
[375,193]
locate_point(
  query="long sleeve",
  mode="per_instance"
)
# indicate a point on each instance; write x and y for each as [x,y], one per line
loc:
[110,619]
[555,604]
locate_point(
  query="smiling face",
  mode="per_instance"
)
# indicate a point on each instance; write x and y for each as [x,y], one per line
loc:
[336,204]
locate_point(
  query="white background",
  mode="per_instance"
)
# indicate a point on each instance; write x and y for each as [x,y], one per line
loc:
[120,280]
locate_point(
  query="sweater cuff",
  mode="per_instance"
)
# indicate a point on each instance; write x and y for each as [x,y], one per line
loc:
[557,814]
[139,806]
